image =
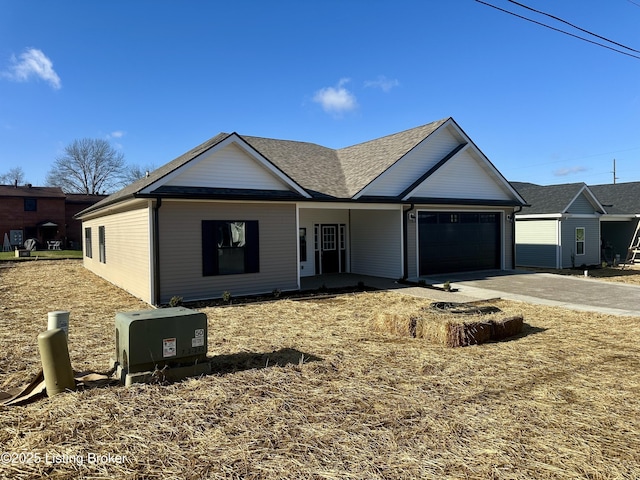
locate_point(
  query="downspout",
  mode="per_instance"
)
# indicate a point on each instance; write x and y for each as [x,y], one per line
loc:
[156,251]
[513,237]
[405,243]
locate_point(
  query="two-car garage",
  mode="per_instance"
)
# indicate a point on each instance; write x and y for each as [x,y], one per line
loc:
[458,241]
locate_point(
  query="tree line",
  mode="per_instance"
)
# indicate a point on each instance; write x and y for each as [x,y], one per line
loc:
[89,165]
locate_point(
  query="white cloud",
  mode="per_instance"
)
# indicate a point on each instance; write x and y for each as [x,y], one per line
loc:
[383,83]
[116,134]
[33,63]
[336,99]
[563,172]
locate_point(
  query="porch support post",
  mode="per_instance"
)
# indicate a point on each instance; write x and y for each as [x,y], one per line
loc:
[405,255]
[297,233]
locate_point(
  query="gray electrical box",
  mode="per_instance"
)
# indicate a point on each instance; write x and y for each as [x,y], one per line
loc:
[166,338]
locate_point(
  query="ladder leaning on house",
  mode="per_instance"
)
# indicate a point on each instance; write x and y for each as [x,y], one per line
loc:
[633,254]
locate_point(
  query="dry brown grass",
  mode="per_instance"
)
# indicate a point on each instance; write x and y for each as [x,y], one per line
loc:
[629,274]
[336,399]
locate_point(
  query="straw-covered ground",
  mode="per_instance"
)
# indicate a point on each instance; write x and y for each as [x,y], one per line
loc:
[308,389]
[629,274]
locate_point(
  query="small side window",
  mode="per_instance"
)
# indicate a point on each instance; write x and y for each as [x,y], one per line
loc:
[87,243]
[30,204]
[580,237]
[101,245]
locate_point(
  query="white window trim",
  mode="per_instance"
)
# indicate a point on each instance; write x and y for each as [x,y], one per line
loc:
[584,240]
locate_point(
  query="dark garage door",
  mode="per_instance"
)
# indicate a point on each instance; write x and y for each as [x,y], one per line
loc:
[458,241]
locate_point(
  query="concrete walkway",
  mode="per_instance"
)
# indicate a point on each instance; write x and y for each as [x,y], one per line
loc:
[576,293]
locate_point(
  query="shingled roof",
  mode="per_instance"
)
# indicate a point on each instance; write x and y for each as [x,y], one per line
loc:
[364,162]
[619,198]
[323,172]
[315,168]
[30,191]
[344,172]
[547,199]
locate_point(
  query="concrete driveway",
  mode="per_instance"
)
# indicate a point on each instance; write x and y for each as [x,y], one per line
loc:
[545,288]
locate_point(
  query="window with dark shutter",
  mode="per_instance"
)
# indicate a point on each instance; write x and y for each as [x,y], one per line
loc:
[230,247]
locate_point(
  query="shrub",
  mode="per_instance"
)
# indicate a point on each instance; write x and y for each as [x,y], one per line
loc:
[176,301]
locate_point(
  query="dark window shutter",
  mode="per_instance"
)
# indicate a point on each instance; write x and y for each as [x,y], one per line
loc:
[252,253]
[209,248]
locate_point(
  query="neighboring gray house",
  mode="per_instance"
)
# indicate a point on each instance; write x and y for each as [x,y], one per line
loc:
[617,227]
[560,228]
[250,215]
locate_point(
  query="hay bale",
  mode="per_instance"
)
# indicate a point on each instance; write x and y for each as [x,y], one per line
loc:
[395,323]
[445,328]
[506,327]
[468,333]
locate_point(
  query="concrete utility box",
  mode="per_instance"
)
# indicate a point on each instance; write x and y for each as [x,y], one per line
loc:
[171,340]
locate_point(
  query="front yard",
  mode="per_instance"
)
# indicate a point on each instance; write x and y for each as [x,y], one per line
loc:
[308,389]
[41,254]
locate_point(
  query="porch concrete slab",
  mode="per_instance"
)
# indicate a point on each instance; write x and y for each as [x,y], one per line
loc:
[576,293]
[339,280]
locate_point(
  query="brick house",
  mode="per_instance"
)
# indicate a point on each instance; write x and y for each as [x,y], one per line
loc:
[75,203]
[41,213]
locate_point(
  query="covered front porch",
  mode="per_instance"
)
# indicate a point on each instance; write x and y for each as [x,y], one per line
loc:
[341,238]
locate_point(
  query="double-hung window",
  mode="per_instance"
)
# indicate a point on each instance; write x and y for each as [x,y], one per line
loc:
[230,247]
[102,249]
[580,241]
[87,243]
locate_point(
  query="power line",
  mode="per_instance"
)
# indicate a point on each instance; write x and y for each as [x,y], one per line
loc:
[572,159]
[574,26]
[558,30]
[636,4]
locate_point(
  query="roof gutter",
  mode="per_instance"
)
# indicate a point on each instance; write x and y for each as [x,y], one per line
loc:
[156,252]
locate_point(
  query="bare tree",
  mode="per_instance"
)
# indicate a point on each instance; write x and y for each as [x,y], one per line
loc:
[90,166]
[136,172]
[14,176]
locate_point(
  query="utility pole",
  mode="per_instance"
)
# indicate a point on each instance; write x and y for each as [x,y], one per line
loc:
[614,172]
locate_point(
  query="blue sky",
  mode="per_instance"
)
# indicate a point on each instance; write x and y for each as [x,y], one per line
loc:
[157,78]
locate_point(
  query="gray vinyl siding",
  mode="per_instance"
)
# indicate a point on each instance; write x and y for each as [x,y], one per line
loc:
[127,251]
[592,242]
[536,243]
[581,205]
[229,167]
[180,225]
[479,182]
[376,243]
